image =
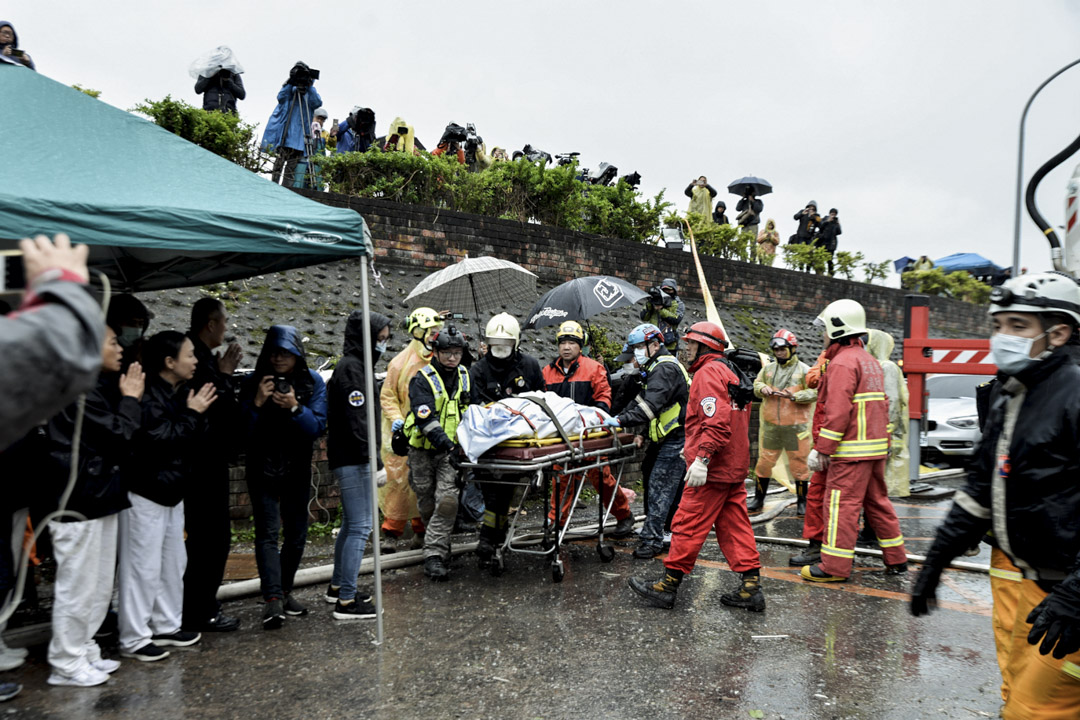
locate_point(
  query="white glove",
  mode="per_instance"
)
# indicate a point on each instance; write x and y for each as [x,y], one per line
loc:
[380,478]
[696,474]
[817,462]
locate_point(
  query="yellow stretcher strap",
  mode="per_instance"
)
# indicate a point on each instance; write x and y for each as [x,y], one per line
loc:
[544,442]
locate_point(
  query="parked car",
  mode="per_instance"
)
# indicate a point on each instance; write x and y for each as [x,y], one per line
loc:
[952,428]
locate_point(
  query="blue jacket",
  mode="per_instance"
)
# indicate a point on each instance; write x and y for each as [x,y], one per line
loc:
[277,134]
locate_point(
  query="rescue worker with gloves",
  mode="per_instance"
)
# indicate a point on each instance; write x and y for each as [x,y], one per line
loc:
[438,396]
[787,407]
[661,405]
[1022,486]
[585,381]
[503,372]
[850,446]
[717,458]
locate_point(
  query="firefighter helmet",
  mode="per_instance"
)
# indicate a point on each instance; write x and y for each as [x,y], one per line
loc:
[784,338]
[646,332]
[503,326]
[422,318]
[842,318]
[571,330]
[1039,293]
[708,334]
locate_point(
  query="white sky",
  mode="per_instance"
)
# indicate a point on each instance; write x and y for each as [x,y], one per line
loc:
[903,115]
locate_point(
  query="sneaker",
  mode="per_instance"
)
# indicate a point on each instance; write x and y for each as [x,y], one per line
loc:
[356,609]
[10,660]
[810,556]
[106,666]
[623,528]
[814,573]
[660,593]
[147,653]
[273,615]
[292,607]
[221,623]
[89,676]
[9,690]
[16,651]
[748,595]
[435,569]
[180,638]
[647,552]
[331,594]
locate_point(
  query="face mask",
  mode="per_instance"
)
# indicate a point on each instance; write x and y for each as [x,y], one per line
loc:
[128,336]
[642,356]
[1011,353]
[501,351]
[381,347]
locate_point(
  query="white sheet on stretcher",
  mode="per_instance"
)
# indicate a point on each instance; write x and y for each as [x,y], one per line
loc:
[483,428]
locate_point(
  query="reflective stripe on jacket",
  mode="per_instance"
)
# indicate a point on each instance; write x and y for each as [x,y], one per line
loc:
[422,420]
[853,413]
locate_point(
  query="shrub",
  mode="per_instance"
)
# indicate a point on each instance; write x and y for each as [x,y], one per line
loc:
[723,241]
[223,134]
[806,257]
[959,285]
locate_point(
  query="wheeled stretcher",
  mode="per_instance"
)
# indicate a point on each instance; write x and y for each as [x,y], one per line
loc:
[535,464]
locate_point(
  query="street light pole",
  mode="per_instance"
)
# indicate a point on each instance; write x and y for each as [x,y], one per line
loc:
[1020,168]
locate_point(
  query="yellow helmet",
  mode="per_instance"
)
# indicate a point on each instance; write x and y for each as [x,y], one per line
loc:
[421,319]
[503,326]
[571,330]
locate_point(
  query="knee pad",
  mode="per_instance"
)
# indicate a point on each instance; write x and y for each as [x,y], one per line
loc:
[447,507]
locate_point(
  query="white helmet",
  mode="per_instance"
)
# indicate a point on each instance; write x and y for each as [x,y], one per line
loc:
[321,112]
[1039,293]
[842,318]
[503,326]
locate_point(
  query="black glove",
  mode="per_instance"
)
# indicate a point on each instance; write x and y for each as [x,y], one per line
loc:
[455,462]
[1057,620]
[924,591]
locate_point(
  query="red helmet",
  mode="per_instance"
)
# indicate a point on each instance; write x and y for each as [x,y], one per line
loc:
[708,334]
[784,338]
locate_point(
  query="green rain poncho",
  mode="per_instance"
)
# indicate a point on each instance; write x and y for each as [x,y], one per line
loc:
[880,346]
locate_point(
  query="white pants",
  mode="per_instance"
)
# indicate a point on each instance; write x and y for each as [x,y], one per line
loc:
[18,538]
[152,562]
[85,555]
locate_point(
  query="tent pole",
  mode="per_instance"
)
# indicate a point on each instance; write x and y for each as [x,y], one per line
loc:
[373,449]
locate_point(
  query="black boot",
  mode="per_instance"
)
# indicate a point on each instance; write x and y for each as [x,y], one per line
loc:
[662,592]
[809,556]
[800,497]
[435,568]
[748,595]
[761,486]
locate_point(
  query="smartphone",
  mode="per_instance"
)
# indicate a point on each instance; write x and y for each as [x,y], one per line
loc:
[12,276]
[335,122]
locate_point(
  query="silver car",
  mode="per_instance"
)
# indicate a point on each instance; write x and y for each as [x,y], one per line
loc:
[952,428]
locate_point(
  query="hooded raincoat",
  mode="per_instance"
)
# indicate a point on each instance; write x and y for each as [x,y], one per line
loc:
[291,118]
[17,56]
[897,466]
[767,241]
[784,423]
[700,199]
[347,441]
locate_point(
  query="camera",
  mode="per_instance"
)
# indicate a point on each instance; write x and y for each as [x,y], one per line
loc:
[281,385]
[12,275]
[633,179]
[656,295]
[302,76]
[453,133]
[472,143]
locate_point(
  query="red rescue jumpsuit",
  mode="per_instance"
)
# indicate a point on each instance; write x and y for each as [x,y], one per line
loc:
[715,429]
[853,431]
[585,382]
[814,520]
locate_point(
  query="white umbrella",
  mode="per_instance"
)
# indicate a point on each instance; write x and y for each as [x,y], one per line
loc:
[473,284]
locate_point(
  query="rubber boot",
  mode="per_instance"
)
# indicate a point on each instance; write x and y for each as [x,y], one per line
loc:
[761,486]
[662,592]
[800,497]
[748,595]
[809,556]
[814,573]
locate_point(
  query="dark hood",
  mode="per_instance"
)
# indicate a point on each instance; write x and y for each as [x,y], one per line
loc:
[284,337]
[670,282]
[14,35]
[354,333]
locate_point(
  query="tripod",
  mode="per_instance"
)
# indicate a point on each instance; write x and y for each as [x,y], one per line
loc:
[289,159]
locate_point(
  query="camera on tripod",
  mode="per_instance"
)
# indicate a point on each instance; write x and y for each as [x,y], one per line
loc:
[302,76]
[472,143]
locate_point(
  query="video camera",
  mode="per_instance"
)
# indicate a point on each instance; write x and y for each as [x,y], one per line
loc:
[604,174]
[566,158]
[633,179]
[657,296]
[302,76]
[453,133]
[472,143]
[532,154]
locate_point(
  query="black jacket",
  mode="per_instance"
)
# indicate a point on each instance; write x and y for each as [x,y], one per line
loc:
[493,379]
[827,234]
[347,436]
[807,225]
[223,416]
[664,384]
[165,445]
[422,402]
[221,91]
[110,422]
[720,218]
[1038,520]
[758,206]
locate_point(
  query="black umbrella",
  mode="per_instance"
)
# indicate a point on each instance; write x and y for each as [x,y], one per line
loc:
[759,186]
[581,298]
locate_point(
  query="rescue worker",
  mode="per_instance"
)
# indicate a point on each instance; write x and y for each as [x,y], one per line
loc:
[585,381]
[438,396]
[1022,487]
[503,372]
[717,456]
[787,407]
[665,310]
[813,503]
[661,405]
[397,501]
[850,446]
[880,345]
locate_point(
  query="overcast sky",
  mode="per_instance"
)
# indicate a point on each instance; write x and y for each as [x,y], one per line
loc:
[902,115]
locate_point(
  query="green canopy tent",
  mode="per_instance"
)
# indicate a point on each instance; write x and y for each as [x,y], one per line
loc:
[157,211]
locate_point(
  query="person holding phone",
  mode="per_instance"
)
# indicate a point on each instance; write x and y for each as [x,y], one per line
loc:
[9,47]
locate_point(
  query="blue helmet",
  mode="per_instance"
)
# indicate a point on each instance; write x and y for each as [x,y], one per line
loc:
[644,333]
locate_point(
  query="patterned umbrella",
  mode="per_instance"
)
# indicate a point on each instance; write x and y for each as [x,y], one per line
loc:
[473,284]
[581,298]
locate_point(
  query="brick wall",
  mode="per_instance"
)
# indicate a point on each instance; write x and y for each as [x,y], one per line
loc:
[431,238]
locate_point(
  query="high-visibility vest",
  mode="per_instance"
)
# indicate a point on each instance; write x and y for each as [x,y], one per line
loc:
[668,420]
[447,409]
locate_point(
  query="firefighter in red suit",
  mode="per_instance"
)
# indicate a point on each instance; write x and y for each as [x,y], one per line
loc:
[718,456]
[851,443]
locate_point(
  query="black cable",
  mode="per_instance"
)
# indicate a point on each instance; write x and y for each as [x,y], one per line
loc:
[1029,198]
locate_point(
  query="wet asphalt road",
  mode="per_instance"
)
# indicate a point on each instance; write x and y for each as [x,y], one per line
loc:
[521,646]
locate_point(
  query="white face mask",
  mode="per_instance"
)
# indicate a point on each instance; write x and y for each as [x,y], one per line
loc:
[642,356]
[501,351]
[381,347]
[1011,353]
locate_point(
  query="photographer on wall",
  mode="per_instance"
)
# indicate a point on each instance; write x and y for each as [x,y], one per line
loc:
[749,209]
[665,310]
[288,131]
[217,79]
[356,132]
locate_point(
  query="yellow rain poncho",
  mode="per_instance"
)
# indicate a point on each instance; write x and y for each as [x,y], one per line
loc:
[880,345]
[701,202]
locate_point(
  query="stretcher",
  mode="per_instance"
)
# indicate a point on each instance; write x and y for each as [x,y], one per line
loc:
[535,464]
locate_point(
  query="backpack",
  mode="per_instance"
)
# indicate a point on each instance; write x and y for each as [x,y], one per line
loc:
[746,364]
